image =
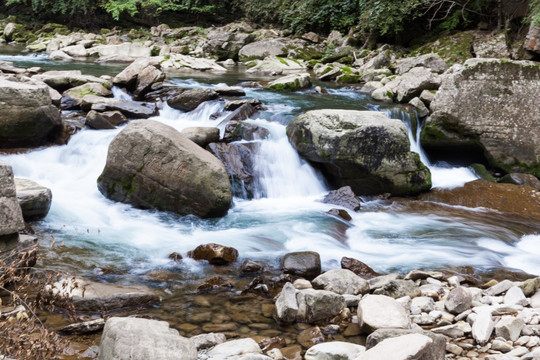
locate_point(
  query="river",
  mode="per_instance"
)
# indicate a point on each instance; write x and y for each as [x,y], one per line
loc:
[117,243]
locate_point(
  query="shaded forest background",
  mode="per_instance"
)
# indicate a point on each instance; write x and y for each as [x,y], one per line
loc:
[395,21]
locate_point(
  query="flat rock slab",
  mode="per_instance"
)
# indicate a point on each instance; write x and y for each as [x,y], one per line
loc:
[406,347]
[379,311]
[92,296]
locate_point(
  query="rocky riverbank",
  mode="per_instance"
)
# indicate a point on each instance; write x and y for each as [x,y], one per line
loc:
[424,315]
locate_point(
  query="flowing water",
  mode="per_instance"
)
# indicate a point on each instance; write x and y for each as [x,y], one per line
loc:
[285,216]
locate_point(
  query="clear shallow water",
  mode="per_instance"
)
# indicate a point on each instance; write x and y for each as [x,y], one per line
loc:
[288,216]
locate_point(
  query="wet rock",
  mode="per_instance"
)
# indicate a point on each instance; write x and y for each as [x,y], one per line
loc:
[201,136]
[132,109]
[522,179]
[239,161]
[334,350]
[286,304]
[91,296]
[509,327]
[230,91]
[338,141]
[240,130]
[436,350]
[249,266]
[310,337]
[458,300]
[85,327]
[506,198]
[274,66]
[176,257]
[358,267]
[405,347]
[97,121]
[379,311]
[420,107]
[290,82]
[215,254]
[340,213]
[431,61]
[190,99]
[11,216]
[142,339]
[244,112]
[205,341]
[232,105]
[341,281]
[398,288]
[186,180]
[345,197]
[262,49]
[234,348]
[304,263]
[139,76]
[460,117]
[27,115]
[529,287]
[34,199]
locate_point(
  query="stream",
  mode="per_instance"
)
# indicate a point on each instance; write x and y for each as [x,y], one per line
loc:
[114,242]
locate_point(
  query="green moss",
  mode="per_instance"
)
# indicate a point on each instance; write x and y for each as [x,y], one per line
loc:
[482,172]
[282,60]
[454,48]
[251,64]
[311,63]
[349,78]
[346,70]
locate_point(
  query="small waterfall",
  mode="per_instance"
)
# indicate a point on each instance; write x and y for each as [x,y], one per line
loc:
[443,175]
[283,174]
[120,94]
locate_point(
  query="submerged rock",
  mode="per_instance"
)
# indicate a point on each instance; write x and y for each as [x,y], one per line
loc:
[362,149]
[343,196]
[491,104]
[151,165]
[239,161]
[507,198]
[27,115]
[34,199]
[143,339]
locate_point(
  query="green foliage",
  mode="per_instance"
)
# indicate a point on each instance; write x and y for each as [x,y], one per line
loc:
[534,12]
[63,7]
[387,17]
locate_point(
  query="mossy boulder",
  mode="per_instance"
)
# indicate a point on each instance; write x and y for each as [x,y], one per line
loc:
[362,149]
[290,82]
[453,48]
[492,104]
[152,166]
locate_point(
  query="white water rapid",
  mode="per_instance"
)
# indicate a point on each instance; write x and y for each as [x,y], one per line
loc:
[289,217]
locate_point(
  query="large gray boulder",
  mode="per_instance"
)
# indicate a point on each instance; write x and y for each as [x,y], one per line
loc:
[27,115]
[190,99]
[142,339]
[291,82]
[363,149]
[405,347]
[126,52]
[34,199]
[151,165]
[431,61]
[62,80]
[223,44]
[493,105]
[415,81]
[262,49]
[302,263]
[132,109]
[72,98]
[11,218]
